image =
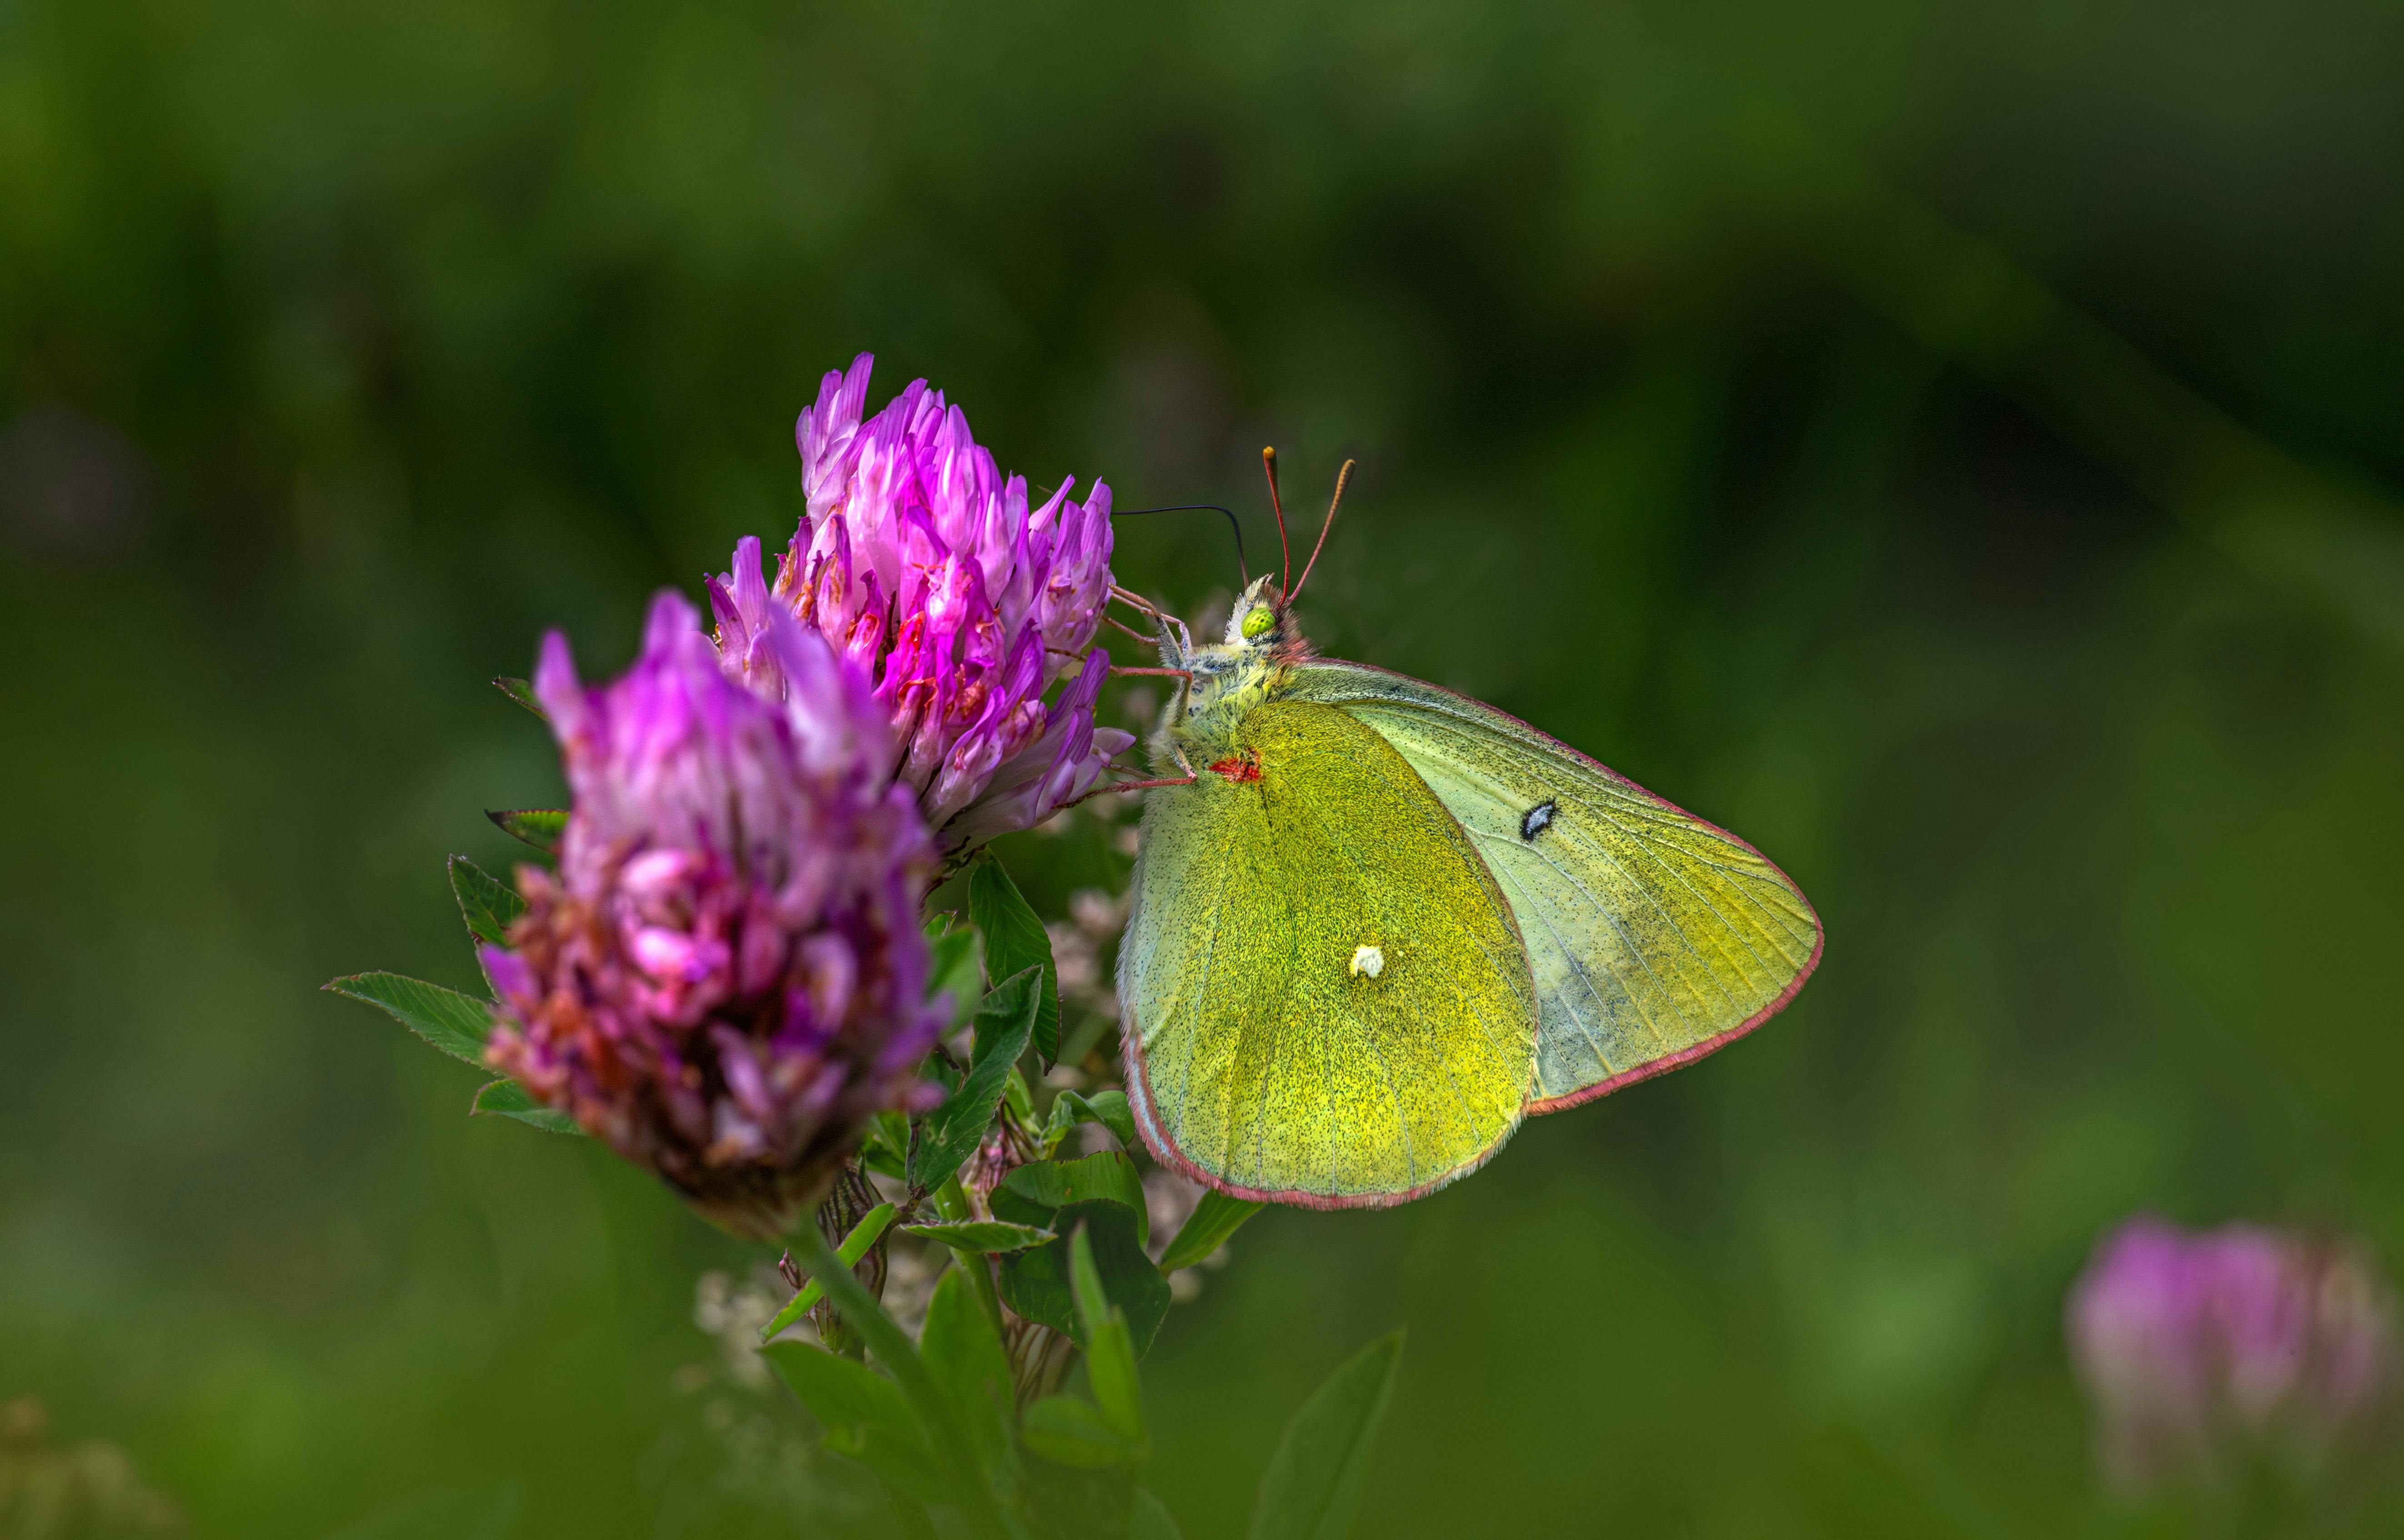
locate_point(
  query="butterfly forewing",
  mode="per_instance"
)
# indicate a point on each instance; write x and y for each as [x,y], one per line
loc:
[1326,999]
[1652,937]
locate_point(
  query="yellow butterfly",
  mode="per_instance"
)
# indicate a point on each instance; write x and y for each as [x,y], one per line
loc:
[1377,923]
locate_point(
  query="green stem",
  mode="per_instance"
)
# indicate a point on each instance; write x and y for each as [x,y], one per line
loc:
[855,1246]
[893,1348]
[953,1200]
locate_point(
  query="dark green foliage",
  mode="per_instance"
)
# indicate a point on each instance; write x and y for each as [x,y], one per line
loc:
[1014,939]
[964,1353]
[507,1098]
[855,1245]
[488,905]
[1030,1192]
[1111,1352]
[841,1392]
[1213,1220]
[521,692]
[981,1237]
[887,1149]
[865,1415]
[951,1133]
[1108,1108]
[1069,1430]
[952,965]
[539,827]
[939,1429]
[1036,1283]
[1314,1484]
[951,1432]
[455,1023]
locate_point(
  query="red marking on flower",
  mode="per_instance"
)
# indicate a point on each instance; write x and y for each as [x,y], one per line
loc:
[1239,767]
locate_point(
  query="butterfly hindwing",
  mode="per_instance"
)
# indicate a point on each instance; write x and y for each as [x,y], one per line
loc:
[1652,936]
[1269,1054]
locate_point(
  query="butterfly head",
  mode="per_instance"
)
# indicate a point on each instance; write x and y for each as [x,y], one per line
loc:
[1227,678]
[1262,634]
[1260,620]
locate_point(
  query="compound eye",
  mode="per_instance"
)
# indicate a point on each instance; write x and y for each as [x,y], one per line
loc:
[1259,623]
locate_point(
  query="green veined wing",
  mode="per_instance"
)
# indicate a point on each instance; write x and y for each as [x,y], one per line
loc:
[1654,936]
[1325,999]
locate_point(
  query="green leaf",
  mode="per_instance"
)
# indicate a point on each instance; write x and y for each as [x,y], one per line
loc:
[521,692]
[963,1352]
[989,1030]
[1030,1192]
[507,1098]
[1152,1519]
[981,1237]
[455,1023]
[1108,1108]
[1110,1356]
[952,967]
[855,1246]
[1014,939]
[903,1462]
[1036,1283]
[1068,1431]
[952,1132]
[488,903]
[1213,1221]
[866,1417]
[841,1392]
[1312,1488]
[539,827]
[886,1150]
[896,1351]
[1019,1099]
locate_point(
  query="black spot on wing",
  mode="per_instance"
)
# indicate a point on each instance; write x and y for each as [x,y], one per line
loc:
[1536,820]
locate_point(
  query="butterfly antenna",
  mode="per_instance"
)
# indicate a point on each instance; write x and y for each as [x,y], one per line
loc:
[1237,529]
[1343,478]
[1277,505]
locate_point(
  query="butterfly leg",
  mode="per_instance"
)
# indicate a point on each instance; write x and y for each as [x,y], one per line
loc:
[1131,786]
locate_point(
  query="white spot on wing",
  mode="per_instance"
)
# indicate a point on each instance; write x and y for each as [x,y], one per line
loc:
[1367,962]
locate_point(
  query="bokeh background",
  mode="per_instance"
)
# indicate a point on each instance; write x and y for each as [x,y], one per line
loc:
[1955,446]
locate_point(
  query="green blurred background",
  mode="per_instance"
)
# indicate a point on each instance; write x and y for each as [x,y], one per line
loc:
[1952,446]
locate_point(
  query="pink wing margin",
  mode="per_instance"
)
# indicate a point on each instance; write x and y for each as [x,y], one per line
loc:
[1164,1150]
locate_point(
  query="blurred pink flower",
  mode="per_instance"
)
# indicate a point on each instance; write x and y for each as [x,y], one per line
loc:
[929,571]
[724,979]
[2200,1350]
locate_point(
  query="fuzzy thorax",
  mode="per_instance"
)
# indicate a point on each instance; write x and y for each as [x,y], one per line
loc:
[1230,678]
